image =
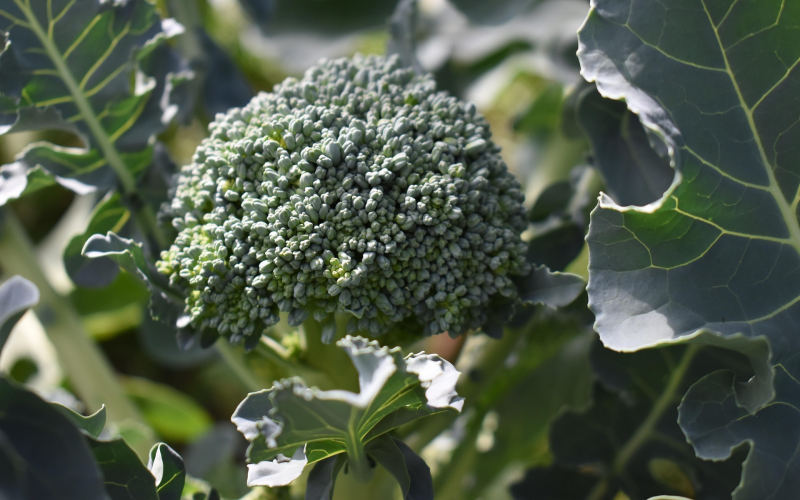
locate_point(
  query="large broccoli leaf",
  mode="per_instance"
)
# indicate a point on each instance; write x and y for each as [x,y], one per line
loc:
[50,457]
[310,425]
[72,66]
[720,252]
[628,439]
[49,451]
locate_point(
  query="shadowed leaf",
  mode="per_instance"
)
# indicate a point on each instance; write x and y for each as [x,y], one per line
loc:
[50,454]
[628,440]
[634,172]
[124,475]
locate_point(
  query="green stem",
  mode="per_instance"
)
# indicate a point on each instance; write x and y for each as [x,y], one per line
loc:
[234,359]
[145,217]
[88,370]
[356,454]
[645,430]
[148,224]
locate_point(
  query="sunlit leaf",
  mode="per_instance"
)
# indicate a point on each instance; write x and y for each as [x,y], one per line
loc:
[17,295]
[169,471]
[92,424]
[98,69]
[721,250]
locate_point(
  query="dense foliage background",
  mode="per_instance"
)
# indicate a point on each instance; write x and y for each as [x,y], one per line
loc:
[690,112]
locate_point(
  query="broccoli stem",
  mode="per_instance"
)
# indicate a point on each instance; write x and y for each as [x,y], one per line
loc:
[88,370]
[357,459]
[234,359]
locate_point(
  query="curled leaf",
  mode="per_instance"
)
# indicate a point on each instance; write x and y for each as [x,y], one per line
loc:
[291,417]
[277,472]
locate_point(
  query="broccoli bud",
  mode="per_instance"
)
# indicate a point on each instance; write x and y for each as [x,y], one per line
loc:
[358,188]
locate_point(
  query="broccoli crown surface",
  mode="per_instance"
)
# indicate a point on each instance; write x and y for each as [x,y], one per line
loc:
[357,188]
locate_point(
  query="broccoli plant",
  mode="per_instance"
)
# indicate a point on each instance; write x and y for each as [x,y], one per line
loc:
[244,286]
[358,188]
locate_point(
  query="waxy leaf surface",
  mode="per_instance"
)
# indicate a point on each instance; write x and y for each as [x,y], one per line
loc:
[717,81]
[71,65]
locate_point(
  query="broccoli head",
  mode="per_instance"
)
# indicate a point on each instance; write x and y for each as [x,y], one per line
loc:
[358,188]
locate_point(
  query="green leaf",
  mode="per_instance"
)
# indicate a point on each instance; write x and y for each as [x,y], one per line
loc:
[50,454]
[170,473]
[496,12]
[165,305]
[124,475]
[310,425]
[127,253]
[553,200]
[110,215]
[553,289]
[224,84]
[720,251]
[12,471]
[628,440]
[322,478]
[411,472]
[74,65]
[92,424]
[321,18]
[159,344]
[635,174]
[716,424]
[17,295]
[556,483]
[17,180]
[544,114]
[172,414]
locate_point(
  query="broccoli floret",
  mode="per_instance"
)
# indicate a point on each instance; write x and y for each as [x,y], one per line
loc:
[357,188]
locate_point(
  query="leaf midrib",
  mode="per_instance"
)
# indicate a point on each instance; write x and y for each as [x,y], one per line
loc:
[103,140]
[789,217]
